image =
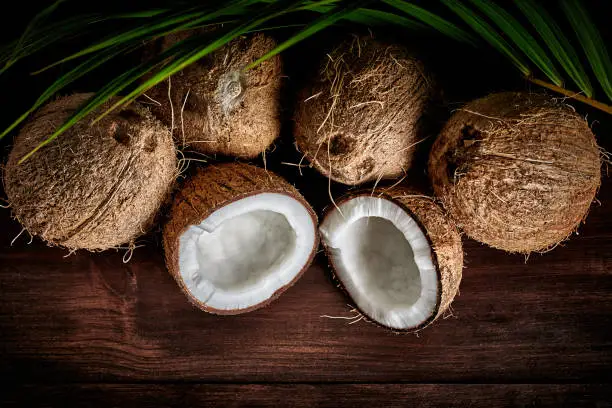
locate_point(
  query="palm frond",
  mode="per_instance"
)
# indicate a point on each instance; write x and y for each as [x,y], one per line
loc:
[374,17]
[591,41]
[485,19]
[324,21]
[184,55]
[39,17]
[112,88]
[162,26]
[36,39]
[69,77]
[521,38]
[436,22]
[488,33]
[557,43]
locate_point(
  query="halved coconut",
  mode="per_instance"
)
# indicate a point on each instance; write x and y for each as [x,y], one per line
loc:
[396,255]
[238,236]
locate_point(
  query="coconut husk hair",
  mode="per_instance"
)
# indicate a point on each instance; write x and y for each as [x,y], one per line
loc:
[95,186]
[214,106]
[211,188]
[360,119]
[516,171]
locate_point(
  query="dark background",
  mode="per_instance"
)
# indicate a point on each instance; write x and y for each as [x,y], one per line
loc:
[89,330]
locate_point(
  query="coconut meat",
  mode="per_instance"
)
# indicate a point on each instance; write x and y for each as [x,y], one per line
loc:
[244,252]
[383,259]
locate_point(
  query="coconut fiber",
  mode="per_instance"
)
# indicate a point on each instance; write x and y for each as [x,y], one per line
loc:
[516,171]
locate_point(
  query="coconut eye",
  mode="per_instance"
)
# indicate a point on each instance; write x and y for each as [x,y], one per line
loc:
[217,106]
[233,89]
[120,133]
[340,145]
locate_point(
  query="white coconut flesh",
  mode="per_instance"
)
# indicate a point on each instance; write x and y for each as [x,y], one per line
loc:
[383,259]
[244,252]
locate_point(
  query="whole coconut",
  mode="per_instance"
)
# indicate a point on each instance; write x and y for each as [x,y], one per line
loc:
[360,119]
[214,106]
[516,171]
[95,186]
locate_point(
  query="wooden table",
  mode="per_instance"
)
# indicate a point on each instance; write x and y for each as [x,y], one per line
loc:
[89,328]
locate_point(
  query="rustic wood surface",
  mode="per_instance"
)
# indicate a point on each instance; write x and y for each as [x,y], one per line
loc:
[109,327]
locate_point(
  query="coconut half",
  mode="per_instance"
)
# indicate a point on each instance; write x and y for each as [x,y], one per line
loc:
[395,254]
[238,237]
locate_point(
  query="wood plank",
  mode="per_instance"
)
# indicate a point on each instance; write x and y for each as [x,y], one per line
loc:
[91,317]
[305,395]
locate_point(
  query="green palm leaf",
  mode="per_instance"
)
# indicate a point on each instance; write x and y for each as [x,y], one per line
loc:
[112,88]
[557,43]
[140,26]
[324,21]
[184,52]
[488,33]
[368,16]
[136,34]
[591,41]
[68,78]
[432,20]
[39,17]
[376,17]
[523,40]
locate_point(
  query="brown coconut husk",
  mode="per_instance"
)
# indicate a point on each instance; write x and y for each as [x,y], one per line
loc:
[208,190]
[516,171]
[214,106]
[443,236]
[96,186]
[360,119]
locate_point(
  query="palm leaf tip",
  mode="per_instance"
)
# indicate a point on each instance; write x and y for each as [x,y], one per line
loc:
[487,32]
[326,20]
[592,43]
[557,43]
[436,22]
[521,38]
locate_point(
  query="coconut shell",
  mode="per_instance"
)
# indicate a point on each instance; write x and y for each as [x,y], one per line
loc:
[360,119]
[216,107]
[443,237]
[95,186]
[516,171]
[210,189]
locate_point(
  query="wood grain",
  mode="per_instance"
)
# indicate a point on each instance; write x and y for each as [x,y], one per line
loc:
[90,317]
[322,395]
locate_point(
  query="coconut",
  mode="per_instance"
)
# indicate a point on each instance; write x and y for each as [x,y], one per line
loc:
[360,119]
[95,186]
[516,171]
[214,106]
[237,237]
[396,254]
